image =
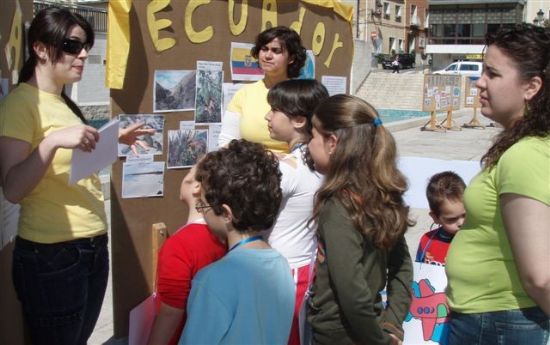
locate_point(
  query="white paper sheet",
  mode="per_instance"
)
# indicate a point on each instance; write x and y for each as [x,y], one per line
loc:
[9,217]
[214,130]
[86,163]
[335,85]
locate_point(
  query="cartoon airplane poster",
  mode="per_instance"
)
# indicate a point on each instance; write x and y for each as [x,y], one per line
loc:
[427,320]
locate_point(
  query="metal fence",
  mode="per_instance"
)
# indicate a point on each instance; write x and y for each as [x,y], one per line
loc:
[96,16]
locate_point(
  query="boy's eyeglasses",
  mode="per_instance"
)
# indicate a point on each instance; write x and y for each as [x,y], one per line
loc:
[202,207]
[74,47]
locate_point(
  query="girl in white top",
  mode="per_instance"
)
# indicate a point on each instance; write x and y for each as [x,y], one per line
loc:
[292,104]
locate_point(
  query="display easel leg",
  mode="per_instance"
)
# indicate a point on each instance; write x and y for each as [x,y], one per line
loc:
[432,125]
[474,122]
[449,123]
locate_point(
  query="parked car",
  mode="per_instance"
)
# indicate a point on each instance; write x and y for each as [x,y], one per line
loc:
[405,61]
[469,68]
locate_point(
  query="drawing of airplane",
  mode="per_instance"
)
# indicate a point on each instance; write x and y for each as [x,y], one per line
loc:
[430,308]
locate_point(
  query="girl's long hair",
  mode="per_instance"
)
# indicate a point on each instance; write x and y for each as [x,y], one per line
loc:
[363,174]
[51,26]
[529,47]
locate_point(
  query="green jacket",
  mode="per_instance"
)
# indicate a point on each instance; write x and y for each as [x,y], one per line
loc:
[346,306]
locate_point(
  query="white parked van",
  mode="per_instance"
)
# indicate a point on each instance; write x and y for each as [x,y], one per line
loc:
[469,68]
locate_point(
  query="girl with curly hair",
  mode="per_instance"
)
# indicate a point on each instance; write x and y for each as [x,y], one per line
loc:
[498,264]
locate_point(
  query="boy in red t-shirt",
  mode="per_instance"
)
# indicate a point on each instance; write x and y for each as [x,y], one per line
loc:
[183,254]
[445,194]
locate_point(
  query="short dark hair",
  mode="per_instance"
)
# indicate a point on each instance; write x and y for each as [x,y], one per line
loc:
[246,177]
[290,41]
[442,186]
[297,97]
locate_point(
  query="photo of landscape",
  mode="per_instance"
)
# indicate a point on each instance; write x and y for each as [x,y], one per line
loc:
[174,90]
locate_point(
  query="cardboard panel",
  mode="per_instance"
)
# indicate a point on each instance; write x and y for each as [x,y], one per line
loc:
[321,29]
[441,92]
[13,16]
[471,93]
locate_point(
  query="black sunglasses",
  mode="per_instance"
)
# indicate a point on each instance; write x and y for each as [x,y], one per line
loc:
[72,46]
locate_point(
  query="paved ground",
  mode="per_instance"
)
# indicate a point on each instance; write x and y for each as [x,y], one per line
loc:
[467,144]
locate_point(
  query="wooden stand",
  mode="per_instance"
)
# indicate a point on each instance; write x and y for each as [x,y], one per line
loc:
[158,236]
[474,122]
[449,123]
[432,124]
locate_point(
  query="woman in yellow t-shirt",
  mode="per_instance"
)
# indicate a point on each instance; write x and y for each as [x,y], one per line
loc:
[60,259]
[498,263]
[281,55]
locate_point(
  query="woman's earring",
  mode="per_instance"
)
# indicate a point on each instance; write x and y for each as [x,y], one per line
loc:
[526,111]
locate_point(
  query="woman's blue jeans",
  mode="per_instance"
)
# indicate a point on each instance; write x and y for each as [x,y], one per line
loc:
[529,326]
[61,287]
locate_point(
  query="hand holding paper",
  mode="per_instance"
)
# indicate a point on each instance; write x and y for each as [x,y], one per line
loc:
[86,163]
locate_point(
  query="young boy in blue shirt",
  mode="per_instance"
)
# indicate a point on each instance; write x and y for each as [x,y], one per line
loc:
[247,297]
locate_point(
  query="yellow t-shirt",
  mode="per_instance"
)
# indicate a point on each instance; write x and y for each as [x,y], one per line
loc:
[482,274]
[250,103]
[53,211]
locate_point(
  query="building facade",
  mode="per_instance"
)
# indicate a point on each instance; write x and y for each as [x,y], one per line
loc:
[417,24]
[457,27]
[386,24]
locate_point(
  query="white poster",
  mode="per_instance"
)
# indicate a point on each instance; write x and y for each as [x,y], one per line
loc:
[418,171]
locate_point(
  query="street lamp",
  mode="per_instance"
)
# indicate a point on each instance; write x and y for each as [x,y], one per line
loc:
[539,20]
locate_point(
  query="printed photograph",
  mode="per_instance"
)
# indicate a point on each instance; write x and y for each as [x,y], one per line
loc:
[146,144]
[208,103]
[141,180]
[186,147]
[174,90]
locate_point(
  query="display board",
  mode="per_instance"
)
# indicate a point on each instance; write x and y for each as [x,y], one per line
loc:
[471,93]
[441,92]
[13,16]
[177,54]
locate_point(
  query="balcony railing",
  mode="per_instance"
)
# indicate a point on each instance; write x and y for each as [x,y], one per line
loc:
[96,16]
[456,40]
